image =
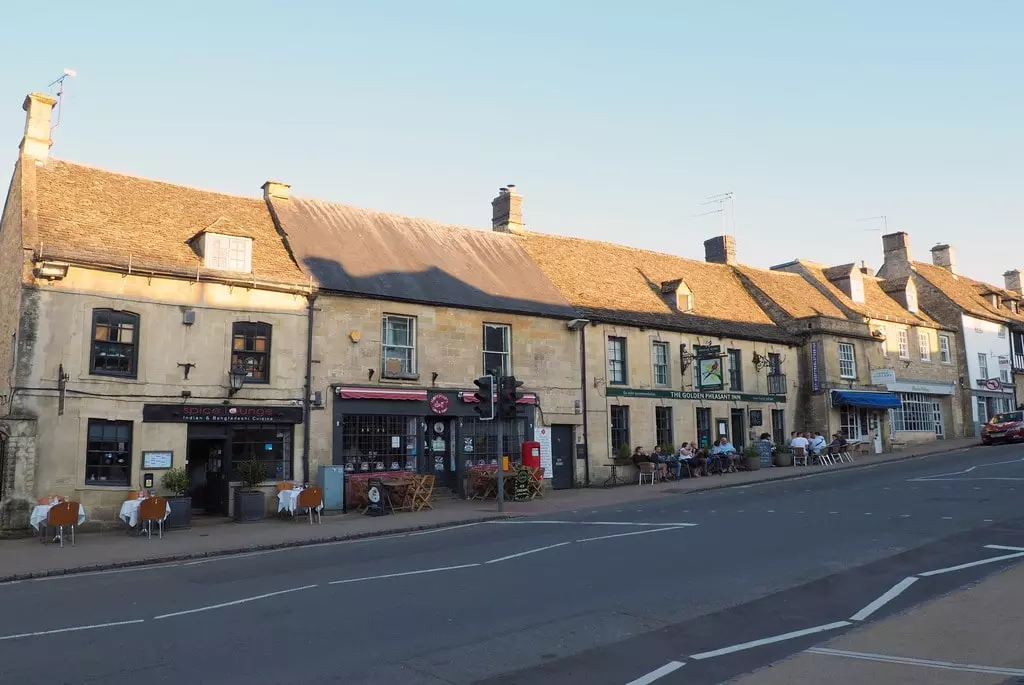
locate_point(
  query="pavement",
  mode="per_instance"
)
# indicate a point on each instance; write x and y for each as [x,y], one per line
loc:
[113,548]
[702,588]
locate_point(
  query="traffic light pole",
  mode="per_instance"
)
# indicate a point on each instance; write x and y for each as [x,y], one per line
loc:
[501,465]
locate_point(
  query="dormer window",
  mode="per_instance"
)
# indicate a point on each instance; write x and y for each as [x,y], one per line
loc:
[994,299]
[226,252]
[677,295]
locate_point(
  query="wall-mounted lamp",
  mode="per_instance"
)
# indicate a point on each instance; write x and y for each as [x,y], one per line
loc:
[433,377]
[51,271]
[369,374]
[236,376]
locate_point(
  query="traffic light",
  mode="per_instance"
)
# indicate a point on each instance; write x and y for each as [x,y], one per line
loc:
[508,397]
[484,397]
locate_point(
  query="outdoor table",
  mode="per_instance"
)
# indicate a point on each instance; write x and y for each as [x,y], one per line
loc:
[130,512]
[288,500]
[40,512]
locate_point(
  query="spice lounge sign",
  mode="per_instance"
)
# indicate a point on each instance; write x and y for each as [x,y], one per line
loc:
[218,413]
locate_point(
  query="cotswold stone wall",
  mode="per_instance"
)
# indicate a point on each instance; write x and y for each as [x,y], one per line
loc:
[18,464]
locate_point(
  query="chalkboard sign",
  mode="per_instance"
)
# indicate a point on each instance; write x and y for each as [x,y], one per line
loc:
[375,495]
[522,491]
[755,417]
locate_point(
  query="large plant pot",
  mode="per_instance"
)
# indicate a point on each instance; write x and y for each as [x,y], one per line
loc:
[784,459]
[752,463]
[181,512]
[249,506]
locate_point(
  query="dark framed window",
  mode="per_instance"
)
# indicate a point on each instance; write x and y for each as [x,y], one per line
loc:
[270,444]
[372,440]
[115,339]
[108,453]
[778,426]
[480,440]
[620,426]
[736,370]
[659,361]
[250,349]
[704,426]
[663,427]
[497,349]
[774,363]
[617,361]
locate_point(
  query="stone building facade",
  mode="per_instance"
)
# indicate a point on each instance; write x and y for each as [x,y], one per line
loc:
[131,304]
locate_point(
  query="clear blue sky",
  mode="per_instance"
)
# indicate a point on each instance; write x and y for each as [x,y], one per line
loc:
[614,119]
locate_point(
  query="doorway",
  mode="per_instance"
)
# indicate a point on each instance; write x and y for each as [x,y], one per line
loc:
[563,466]
[440,452]
[737,417]
[208,475]
[703,427]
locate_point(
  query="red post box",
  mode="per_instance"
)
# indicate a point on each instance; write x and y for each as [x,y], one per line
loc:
[531,454]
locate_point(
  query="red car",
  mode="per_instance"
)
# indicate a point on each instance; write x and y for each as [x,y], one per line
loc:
[1008,427]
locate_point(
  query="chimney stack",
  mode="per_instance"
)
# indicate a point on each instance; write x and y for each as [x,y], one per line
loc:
[864,268]
[1012,280]
[944,256]
[896,248]
[276,190]
[38,108]
[507,211]
[720,250]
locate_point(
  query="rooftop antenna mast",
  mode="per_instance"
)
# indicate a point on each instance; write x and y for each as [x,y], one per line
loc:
[60,92]
[720,200]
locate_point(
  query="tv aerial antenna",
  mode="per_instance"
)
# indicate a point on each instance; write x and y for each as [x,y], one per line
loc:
[720,200]
[882,229]
[60,92]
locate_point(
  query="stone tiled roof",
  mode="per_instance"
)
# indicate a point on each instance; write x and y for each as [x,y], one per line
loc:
[98,217]
[618,284]
[878,304]
[361,251]
[792,292]
[966,293]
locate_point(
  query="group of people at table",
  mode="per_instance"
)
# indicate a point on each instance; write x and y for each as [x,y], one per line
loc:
[814,444]
[722,457]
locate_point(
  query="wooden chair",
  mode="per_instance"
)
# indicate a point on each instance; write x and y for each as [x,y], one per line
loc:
[799,454]
[359,487]
[310,499]
[645,469]
[424,493]
[537,482]
[153,509]
[284,485]
[61,516]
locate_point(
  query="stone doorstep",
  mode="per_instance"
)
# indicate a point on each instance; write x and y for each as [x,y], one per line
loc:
[543,507]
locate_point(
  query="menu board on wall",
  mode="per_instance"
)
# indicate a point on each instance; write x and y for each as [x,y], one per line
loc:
[542,434]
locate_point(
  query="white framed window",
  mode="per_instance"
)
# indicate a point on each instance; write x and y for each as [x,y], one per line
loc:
[944,353]
[850,423]
[1004,370]
[227,253]
[498,349]
[1002,332]
[904,343]
[616,360]
[983,366]
[398,345]
[916,413]
[659,362]
[924,343]
[847,361]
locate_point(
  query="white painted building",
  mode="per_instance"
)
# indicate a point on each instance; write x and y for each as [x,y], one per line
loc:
[989,377]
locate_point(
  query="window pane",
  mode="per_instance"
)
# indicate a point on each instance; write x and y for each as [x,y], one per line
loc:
[495,338]
[113,348]
[108,456]
[269,444]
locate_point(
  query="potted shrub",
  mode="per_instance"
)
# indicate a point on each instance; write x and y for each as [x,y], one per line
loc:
[624,457]
[250,504]
[176,480]
[751,458]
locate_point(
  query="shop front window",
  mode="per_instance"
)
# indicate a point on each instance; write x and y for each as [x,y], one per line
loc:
[379,443]
[270,444]
[479,441]
[916,413]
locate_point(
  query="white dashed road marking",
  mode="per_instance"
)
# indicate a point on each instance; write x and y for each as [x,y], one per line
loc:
[657,673]
[928,663]
[70,630]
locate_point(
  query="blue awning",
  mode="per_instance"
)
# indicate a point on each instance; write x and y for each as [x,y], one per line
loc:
[857,398]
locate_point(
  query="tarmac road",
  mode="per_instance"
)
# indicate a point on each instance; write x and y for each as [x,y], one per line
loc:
[616,595]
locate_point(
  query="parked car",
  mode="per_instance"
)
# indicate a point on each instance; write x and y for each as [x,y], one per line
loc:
[1008,427]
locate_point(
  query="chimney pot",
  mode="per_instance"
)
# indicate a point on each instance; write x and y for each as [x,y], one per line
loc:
[720,250]
[38,110]
[276,190]
[1012,280]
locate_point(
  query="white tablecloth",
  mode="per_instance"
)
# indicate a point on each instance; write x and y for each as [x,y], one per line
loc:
[130,511]
[38,518]
[287,500]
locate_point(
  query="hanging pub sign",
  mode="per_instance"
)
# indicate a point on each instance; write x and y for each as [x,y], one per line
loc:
[710,370]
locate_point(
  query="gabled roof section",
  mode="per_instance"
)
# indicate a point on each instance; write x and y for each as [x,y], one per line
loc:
[878,304]
[90,216]
[365,252]
[623,285]
[797,298]
[966,293]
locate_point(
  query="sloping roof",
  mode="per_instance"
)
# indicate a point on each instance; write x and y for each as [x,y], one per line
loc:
[877,303]
[619,284]
[375,254]
[966,293]
[792,292]
[107,219]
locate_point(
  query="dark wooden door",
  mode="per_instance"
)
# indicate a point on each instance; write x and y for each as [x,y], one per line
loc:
[563,465]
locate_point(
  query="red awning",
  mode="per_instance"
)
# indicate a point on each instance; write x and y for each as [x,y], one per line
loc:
[380,394]
[470,396]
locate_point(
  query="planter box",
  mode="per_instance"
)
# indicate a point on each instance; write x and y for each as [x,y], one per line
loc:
[752,463]
[181,512]
[249,506]
[784,459]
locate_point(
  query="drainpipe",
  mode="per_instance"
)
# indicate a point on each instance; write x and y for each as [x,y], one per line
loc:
[583,405]
[307,400]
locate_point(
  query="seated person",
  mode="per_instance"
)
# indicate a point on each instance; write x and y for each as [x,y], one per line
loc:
[683,456]
[838,441]
[817,444]
[659,461]
[800,441]
[725,451]
[639,457]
